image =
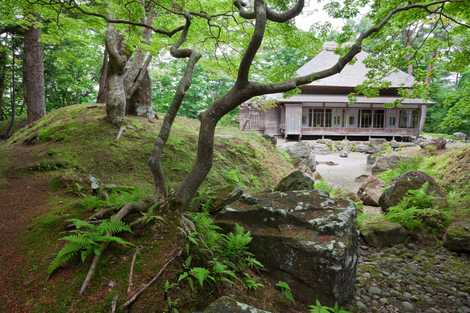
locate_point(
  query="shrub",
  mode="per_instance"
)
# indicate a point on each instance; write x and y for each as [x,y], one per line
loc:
[214,258]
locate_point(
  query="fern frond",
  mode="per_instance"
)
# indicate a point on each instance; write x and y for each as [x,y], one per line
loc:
[113,226]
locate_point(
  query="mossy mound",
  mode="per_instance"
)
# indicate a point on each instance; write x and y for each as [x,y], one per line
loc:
[78,139]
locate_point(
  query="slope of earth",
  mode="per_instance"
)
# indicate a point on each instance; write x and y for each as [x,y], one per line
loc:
[44,175]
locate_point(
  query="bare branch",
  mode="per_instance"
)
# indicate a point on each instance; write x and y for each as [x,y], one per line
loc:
[272,15]
[255,43]
[344,60]
[183,86]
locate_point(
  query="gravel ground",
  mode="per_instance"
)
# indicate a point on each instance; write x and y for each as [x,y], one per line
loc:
[412,279]
[345,172]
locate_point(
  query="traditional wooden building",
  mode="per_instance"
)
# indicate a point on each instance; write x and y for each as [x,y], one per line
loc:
[323,108]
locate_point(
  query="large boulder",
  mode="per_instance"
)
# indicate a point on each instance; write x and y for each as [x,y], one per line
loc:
[303,238]
[460,136]
[370,191]
[229,305]
[457,237]
[408,181]
[385,162]
[380,233]
[363,148]
[302,155]
[297,180]
[433,144]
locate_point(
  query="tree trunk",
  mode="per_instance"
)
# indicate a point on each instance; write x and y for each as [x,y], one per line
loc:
[3,62]
[9,129]
[138,85]
[33,75]
[115,92]
[103,87]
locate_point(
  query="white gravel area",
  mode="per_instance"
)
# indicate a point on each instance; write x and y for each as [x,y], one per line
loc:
[343,174]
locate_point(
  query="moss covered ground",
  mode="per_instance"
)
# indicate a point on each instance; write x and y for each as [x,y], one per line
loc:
[72,143]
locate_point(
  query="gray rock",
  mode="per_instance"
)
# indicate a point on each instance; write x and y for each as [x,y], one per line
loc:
[296,180]
[381,233]
[436,144]
[343,155]
[375,291]
[457,237]
[371,158]
[229,305]
[304,238]
[394,144]
[407,307]
[321,148]
[370,191]
[460,135]
[385,162]
[302,155]
[408,181]
[362,148]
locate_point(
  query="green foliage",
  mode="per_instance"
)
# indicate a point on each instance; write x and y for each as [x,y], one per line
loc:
[403,167]
[319,308]
[115,199]
[323,186]
[87,239]
[418,211]
[215,258]
[285,291]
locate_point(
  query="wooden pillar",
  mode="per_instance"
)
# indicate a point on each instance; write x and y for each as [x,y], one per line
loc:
[372,118]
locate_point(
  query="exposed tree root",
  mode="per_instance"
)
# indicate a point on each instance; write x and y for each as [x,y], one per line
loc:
[131,272]
[176,253]
[123,212]
[120,132]
[114,304]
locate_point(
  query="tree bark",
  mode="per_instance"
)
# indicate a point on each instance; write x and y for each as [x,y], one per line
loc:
[103,86]
[138,84]
[33,75]
[183,86]
[9,129]
[3,62]
[115,92]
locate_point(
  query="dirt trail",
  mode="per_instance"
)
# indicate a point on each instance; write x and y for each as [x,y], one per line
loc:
[21,199]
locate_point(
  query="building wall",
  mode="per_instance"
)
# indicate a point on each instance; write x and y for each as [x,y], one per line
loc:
[290,119]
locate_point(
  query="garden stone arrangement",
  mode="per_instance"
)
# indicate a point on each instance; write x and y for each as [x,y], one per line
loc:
[304,238]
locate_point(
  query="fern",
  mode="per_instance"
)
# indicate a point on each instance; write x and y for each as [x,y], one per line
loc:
[285,290]
[86,240]
[319,308]
[417,211]
[213,257]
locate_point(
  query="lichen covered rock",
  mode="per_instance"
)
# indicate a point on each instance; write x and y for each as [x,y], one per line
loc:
[457,237]
[229,305]
[409,181]
[304,238]
[380,233]
[370,191]
[385,162]
[296,180]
